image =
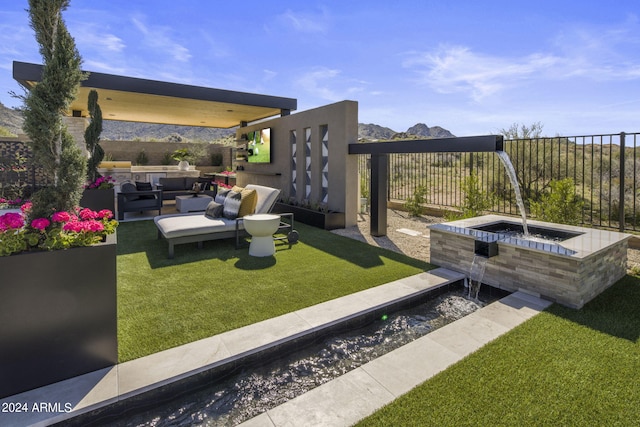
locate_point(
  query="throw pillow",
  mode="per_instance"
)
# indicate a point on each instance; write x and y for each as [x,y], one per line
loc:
[144,186]
[214,210]
[221,196]
[249,200]
[129,190]
[232,205]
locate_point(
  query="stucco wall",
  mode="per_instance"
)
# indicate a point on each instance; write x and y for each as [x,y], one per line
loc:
[341,122]
[155,151]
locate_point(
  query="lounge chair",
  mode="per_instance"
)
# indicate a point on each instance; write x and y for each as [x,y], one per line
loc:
[196,227]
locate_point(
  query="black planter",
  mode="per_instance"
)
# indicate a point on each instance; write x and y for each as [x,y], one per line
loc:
[58,315]
[96,200]
[326,220]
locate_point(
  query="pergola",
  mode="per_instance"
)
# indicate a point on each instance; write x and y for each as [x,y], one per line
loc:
[151,101]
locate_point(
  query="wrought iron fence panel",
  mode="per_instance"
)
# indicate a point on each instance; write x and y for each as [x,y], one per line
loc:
[605,170]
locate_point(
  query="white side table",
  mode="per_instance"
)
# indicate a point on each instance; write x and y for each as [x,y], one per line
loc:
[192,203]
[261,227]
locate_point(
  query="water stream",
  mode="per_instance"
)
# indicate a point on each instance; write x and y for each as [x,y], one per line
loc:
[237,398]
[476,274]
[511,172]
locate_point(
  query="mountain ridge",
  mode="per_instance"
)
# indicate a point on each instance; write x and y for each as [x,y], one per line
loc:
[11,120]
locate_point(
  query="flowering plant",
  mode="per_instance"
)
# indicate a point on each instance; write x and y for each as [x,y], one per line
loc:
[101,183]
[10,203]
[82,227]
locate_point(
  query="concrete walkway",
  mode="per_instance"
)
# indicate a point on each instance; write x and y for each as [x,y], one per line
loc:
[340,402]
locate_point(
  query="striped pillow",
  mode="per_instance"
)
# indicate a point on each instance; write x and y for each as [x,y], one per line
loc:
[220,196]
[232,205]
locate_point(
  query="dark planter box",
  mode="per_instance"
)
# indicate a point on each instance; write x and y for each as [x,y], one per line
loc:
[326,220]
[96,200]
[58,315]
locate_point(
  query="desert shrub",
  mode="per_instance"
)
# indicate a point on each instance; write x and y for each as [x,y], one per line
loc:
[415,203]
[475,201]
[560,204]
[166,158]
[142,159]
[216,159]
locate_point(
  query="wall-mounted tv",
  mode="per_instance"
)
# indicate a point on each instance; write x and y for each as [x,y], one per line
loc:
[259,146]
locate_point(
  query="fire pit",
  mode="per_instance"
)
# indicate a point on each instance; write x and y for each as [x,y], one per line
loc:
[565,264]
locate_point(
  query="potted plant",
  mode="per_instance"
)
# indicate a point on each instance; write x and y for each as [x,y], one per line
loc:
[58,294]
[182,155]
[315,214]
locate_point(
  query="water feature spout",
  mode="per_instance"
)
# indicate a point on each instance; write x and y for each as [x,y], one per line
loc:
[511,172]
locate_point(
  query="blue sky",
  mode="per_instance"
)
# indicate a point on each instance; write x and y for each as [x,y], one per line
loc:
[470,66]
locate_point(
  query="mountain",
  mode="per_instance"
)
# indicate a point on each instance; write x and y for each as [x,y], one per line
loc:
[11,120]
[373,132]
[129,131]
[423,130]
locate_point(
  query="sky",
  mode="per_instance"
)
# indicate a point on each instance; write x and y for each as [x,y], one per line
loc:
[472,67]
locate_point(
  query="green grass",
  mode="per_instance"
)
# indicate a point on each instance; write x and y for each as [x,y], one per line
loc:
[164,303]
[563,367]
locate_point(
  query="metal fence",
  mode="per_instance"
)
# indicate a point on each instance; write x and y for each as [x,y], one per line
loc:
[604,168]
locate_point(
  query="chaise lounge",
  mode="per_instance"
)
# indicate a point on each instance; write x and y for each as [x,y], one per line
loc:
[199,227]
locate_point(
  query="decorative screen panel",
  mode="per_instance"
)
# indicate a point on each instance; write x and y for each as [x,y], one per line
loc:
[294,164]
[307,154]
[324,135]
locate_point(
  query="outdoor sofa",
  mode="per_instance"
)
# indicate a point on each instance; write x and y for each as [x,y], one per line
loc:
[181,186]
[199,227]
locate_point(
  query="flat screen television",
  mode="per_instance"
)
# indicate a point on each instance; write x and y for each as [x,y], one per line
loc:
[259,146]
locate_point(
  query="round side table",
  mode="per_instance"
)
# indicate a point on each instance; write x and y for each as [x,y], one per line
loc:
[261,227]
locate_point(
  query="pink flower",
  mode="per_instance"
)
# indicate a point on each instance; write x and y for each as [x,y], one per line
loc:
[87,214]
[40,223]
[26,207]
[105,214]
[94,226]
[61,217]
[76,227]
[11,220]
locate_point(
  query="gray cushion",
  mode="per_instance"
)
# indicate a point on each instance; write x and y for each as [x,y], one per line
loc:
[173,184]
[232,205]
[129,189]
[267,197]
[214,210]
[193,224]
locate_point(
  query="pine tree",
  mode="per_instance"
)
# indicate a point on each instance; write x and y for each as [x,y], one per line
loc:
[44,107]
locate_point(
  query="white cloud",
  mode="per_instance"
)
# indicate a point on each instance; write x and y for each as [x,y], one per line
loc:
[268,74]
[459,69]
[329,84]
[318,82]
[92,37]
[306,22]
[158,38]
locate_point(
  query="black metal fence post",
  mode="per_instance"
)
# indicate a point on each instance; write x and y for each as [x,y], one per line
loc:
[622,173]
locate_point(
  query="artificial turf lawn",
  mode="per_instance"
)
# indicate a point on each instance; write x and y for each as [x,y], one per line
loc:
[164,303]
[562,367]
